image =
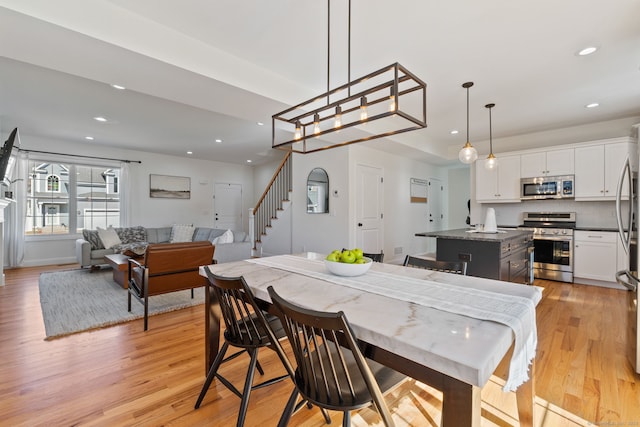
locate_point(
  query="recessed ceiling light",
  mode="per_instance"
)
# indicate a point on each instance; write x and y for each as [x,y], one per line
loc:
[248,161]
[587,51]
[219,141]
[100,119]
[454,132]
[592,105]
[189,152]
[260,124]
[88,138]
[119,87]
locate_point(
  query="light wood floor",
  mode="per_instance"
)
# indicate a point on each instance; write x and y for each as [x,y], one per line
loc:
[124,376]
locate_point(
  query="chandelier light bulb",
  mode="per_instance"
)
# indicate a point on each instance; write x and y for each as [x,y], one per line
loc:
[392,101]
[316,124]
[298,132]
[338,119]
[363,109]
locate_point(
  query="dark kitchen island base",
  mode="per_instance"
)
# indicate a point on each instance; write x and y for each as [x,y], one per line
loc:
[501,256]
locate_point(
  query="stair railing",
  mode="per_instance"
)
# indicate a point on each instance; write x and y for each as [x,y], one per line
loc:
[276,192]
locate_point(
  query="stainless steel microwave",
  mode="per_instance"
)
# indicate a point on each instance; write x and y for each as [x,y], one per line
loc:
[547,187]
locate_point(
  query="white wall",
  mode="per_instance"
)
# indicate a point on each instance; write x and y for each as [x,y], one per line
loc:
[337,229]
[321,232]
[402,219]
[197,210]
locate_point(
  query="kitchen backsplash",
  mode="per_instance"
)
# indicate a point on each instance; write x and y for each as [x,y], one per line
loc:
[588,214]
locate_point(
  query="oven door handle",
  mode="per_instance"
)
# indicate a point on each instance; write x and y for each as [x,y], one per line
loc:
[554,238]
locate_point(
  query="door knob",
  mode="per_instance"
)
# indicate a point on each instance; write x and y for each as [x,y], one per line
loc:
[359,224]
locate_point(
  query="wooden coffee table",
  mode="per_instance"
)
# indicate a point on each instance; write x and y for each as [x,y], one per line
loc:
[120,265]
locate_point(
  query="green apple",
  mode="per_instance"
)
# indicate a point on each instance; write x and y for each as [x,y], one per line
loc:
[333,256]
[360,261]
[347,257]
[358,252]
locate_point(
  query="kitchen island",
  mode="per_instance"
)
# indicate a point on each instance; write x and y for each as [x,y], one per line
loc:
[505,255]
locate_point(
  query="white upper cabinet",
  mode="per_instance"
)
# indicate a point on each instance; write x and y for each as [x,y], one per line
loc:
[501,184]
[597,171]
[547,163]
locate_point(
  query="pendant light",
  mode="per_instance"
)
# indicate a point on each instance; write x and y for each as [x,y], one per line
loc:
[490,162]
[468,154]
[392,98]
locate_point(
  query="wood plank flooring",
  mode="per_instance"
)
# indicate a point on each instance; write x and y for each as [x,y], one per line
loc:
[122,375]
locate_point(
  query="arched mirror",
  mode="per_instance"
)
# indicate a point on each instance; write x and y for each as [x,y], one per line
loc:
[318,191]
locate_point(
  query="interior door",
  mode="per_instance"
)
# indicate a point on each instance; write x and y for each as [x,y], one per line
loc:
[435,192]
[227,206]
[369,203]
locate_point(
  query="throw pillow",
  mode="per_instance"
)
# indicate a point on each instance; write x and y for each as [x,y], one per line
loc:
[181,233]
[109,237]
[226,237]
[132,234]
[93,238]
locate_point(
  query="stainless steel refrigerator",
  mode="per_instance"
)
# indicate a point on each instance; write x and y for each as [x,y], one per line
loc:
[627,213]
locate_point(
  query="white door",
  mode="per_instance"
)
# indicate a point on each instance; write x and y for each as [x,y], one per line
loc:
[227,206]
[435,192]
[369,203]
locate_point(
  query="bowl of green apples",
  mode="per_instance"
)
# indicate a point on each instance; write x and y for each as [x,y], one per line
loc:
[347,262]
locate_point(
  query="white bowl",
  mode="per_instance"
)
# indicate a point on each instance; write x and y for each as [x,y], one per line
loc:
[349,270]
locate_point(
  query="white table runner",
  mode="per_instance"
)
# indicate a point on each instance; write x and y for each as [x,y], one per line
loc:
[516,312]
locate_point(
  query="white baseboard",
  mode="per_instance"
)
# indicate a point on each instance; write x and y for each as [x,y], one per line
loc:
[601,283]
[49,261]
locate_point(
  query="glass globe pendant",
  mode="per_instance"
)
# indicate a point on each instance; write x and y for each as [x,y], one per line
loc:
[468,154]
[490,162]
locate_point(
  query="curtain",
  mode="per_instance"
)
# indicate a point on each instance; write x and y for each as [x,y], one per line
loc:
[17,213]
[125,192]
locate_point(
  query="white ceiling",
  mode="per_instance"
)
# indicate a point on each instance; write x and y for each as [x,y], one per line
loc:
[197,70]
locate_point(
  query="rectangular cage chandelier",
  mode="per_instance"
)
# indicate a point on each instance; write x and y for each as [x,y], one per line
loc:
[386,102]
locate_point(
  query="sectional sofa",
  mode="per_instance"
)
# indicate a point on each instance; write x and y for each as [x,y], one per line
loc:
[90,251]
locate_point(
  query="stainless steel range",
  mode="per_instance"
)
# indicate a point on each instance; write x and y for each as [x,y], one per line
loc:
[553,244]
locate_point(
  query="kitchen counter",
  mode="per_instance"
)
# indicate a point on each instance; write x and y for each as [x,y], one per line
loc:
[503,256]
[471,234]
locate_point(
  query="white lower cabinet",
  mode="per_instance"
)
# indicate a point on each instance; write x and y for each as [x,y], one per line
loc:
[595,255]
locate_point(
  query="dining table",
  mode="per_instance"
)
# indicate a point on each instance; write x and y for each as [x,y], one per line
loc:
[446,330]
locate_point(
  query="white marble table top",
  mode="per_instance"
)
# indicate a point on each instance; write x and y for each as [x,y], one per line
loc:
[462,347]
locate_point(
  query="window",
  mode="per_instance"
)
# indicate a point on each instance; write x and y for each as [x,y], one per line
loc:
[67,198]
[53,183]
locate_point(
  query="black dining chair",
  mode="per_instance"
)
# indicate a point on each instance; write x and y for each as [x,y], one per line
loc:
[375,257]
[331,371]
[455,267]
[247,328]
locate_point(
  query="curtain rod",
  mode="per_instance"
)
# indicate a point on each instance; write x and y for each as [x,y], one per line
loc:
[79,155]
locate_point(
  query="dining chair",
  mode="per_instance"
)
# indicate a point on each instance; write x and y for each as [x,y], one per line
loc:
[246,327]
[455,267]
[331,371]
[375,257]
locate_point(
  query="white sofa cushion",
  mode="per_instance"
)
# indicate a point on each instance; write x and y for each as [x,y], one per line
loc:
[226,237]
[109,237]
[181,233]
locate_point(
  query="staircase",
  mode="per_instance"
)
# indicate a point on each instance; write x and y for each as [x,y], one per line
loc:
[272,201]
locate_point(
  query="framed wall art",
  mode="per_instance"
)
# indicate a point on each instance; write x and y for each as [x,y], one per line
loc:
[418,192]
[169,187]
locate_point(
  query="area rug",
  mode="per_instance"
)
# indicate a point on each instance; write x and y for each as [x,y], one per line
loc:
[78,300]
